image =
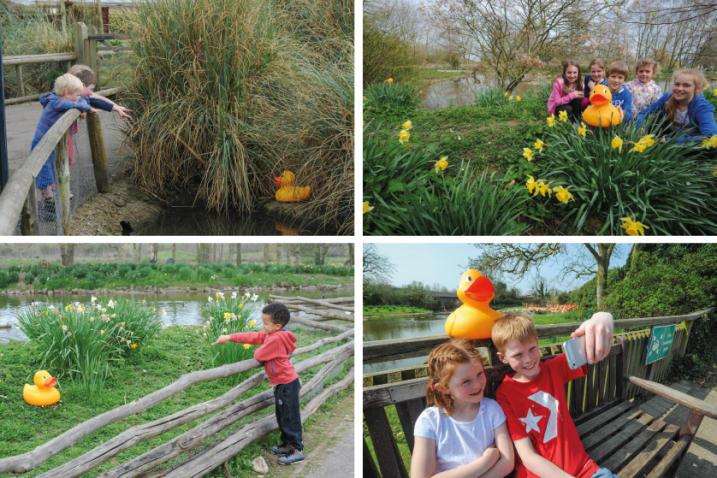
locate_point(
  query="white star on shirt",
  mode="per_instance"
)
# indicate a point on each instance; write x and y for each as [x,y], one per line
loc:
[531,421]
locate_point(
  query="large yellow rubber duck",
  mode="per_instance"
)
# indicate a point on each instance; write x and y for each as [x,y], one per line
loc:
[43,393]
[474,319]
[288,192]
[601,112]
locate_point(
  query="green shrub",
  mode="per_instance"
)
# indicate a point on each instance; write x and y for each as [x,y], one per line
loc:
[185,273]
[14,269]
[122,271]
[88,283]
[13,277]
[227,273]
[59,283]
[28,278]
[144,271]
[204,273]
[169,268]
[243,281]
[397,95]
[80,273]
[491,96]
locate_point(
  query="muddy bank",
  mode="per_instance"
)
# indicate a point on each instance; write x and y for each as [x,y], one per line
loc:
[281,287]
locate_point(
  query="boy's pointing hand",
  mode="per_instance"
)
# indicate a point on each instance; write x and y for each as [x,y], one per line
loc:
[221,340]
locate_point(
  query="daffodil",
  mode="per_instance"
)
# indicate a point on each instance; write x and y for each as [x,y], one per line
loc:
[517,98]
[403,136]
[390,80]
[551,121]
[531,184]
[364,123]
[528,154]
[582,130]
[647,140]
[639,147]
[710,143]
[227,315]
[505,94]
[252,323]
[134,346]
[539,146]
[616,143]
[246,346]
[563,116]
[510,99]
[366,207]
[442,164]
[632,227]
[562,194]
[407,125]
[543,188]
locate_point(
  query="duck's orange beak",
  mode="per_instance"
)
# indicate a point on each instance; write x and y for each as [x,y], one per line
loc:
[51,382]
[480,290]
[599,100]
[278,181]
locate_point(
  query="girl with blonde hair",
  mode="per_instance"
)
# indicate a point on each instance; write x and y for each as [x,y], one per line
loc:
[644,90]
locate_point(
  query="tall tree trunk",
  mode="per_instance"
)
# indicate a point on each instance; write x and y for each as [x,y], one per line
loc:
[155,251]
[602,257]
[317,254]
[351,254]
[266,253]
[238,254]
[291,254]
[138,252]
[174,252]
[278,254]
[67,251]
[323,254]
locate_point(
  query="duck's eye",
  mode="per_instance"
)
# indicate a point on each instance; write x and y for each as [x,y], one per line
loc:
[44,378]
[469,278]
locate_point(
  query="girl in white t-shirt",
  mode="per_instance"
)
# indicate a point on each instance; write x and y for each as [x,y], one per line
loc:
[464,435]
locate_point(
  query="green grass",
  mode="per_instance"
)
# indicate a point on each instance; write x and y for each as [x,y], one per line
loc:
[175,351]
[388,310]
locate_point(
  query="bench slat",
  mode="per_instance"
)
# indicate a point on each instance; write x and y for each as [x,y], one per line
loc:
[672,455]
[579,392]
[384,443]
[611,395]
[603,416]
[370,470]
[657,443]
[408,413]
[591,388]
[612,427]
[602,376]
[704,408]
[622,455]
[610,446]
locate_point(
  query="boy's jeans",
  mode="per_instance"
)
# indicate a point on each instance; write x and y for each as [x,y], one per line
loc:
[604,473]
[288,413]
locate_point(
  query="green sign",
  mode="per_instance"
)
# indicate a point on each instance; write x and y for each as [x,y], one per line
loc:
[660,343]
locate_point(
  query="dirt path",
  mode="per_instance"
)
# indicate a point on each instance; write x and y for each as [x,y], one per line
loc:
[329,446]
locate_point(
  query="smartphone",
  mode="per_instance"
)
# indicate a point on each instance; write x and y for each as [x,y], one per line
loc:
[575,352]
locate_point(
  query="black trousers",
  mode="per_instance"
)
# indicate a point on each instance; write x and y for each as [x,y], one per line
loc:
[572,109]
[288,413]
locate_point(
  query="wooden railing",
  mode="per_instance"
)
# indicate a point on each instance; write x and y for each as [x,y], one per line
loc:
[19,61]
[199,464]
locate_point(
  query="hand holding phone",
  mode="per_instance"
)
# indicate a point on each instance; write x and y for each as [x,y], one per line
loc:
[575,352]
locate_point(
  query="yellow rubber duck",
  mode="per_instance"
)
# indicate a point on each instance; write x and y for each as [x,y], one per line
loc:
[601,112]
[288,192]
[43,393]
[474,319]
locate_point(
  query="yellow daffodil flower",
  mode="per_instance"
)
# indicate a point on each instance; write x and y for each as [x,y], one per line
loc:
[582,130]
[366,207]
[543,188]
[639,147]
[632,227]
[563,116]
[403,136]
[407,125]
[517,98]
[389,81]
[528,154]
[510,99]
[539,146]
[551,121]
[562,194]
[505,94]
[252,323]
[246,346]
[715,92]
[647,140]
[364,123]
[531,184]
[710,143]
[442,164]
[134,346]
[616,143]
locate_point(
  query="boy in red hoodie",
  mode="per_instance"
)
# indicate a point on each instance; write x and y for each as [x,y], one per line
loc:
[277,344]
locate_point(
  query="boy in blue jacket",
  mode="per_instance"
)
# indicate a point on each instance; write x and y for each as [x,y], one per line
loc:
[621,96]
[685,109]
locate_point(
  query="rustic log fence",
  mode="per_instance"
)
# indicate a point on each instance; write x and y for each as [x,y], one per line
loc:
[217,453]
[320,310]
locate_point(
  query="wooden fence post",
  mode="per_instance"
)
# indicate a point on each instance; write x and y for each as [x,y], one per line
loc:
[30,223]
[62,167]
[63,14]
[99,155]
[18,76]
[81,43]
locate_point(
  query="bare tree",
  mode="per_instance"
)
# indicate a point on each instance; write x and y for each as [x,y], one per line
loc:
[67,252]
[375,266]
[238,254]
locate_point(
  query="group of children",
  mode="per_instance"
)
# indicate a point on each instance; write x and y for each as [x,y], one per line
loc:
[74,89]
[462,434]
[684,109]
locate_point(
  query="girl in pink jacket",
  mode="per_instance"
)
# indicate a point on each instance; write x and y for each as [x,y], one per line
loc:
[567,93]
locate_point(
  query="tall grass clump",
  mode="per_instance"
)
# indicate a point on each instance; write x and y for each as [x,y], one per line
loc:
[225,98]
[397,95]
[82,341]
[491,96]
[225,317]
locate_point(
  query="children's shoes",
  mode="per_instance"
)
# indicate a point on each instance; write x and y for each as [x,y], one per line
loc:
[281,450]
[296,456]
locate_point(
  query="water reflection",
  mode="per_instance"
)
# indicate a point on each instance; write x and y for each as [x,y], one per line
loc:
[181,308]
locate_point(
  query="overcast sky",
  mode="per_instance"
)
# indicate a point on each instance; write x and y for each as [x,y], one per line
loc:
[445,263]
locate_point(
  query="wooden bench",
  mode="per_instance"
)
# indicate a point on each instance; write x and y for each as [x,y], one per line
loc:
[613,430]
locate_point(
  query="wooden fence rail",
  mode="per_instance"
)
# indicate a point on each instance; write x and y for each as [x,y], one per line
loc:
[106,451]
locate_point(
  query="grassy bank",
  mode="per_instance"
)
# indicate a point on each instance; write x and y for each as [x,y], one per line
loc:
[113,275]
[380,311]
[175,351]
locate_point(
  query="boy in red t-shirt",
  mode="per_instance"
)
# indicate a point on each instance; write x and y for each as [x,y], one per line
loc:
[277,344]
[533,398]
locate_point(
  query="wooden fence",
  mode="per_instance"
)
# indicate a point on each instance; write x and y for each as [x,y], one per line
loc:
[204,461]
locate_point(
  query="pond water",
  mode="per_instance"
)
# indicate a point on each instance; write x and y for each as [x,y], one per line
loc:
[182,308]
[462,90]
[401,328]
[197,221]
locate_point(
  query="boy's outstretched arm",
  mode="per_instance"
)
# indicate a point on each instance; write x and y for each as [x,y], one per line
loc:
[598,335]
[542,467]
[505,463]
[423,462]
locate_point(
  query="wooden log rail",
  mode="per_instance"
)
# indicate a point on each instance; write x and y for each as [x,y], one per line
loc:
[19,61]
[33,459]
[296,300]
[18,199]
[391,349]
